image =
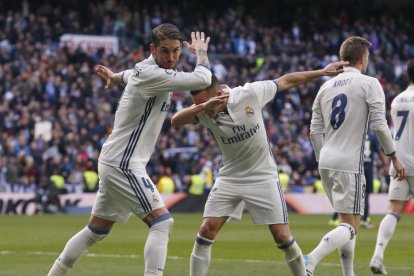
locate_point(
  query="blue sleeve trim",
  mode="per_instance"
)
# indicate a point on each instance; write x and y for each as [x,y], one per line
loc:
[277,86]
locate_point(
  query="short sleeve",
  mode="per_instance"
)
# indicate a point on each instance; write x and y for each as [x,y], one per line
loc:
[264,90]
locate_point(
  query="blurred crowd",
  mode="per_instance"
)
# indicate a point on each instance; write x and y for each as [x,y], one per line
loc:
[55,114]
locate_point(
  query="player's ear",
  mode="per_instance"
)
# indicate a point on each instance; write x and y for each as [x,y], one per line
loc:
[219,93]
[152,48]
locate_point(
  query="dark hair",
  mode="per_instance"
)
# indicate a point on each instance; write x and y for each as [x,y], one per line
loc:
[213,87]
[164,32]
[410,70]
[353,48]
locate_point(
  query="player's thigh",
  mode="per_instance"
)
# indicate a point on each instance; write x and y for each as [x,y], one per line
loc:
[124,192]
[224,201]
[348,192]
[401,190]
[265,202]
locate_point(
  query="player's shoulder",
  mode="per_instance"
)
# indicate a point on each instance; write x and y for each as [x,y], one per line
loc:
[406,96]
[259,86]
[150,70]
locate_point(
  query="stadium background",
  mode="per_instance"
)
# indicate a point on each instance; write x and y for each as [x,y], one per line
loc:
[55,114]
[45,85]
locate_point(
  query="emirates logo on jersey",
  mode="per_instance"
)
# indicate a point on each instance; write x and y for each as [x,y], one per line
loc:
[249,111]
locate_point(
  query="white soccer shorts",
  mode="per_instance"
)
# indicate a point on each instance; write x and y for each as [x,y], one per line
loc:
[346,191]
[264,200]
[401,190]
[124,192]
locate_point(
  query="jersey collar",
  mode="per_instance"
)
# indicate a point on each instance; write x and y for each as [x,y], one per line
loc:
[351,69]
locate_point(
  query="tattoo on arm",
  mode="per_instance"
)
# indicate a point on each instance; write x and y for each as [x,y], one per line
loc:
[202,58]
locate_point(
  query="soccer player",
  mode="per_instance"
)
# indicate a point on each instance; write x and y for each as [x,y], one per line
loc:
[341,111]
[125,188]
[233,117]
[402,113]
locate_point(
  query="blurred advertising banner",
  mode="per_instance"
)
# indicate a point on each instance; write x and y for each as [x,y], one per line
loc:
[27,204]
[90,43]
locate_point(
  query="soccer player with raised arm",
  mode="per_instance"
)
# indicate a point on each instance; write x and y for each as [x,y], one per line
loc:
[125,188]
[402,113]
[249,176]
[341,112]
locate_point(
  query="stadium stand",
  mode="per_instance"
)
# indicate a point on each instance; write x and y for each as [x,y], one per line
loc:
[55,114]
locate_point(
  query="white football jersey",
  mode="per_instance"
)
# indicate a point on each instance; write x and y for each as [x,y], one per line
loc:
[142,109]
[241,134]
[341,111]
[402,113]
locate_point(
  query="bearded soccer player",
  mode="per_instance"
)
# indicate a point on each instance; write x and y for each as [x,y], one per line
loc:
[125,188]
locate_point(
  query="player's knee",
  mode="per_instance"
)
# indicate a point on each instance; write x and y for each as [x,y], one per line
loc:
[282,237]
[284,242]
[208,231]
[396,207]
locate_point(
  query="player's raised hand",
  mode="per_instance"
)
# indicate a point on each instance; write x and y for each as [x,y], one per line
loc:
[334,68]
[198,42]
[107,75]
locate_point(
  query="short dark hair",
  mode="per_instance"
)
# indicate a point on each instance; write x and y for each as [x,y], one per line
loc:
[164,32]
[353,48]
[410,70]
[215,83]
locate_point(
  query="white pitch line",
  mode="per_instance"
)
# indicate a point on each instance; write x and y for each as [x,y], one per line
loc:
[133,256]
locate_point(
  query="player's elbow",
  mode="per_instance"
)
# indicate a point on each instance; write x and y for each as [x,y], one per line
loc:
[205,81]
[203,78]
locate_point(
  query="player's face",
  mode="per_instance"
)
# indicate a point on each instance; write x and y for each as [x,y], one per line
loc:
[167,53]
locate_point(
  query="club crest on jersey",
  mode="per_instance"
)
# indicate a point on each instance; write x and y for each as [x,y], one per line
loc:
[170,72]
[249,111]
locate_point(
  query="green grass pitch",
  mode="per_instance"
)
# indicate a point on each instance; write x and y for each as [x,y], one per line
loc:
[29,245]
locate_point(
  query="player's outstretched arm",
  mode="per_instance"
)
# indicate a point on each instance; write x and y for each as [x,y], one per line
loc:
[188,115]
[297,78]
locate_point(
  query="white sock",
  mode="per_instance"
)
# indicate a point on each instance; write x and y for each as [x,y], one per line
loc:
[385,232]
[333,240]
[293,257]
[201,256]
[346,254]
[75,248]
[155,251]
